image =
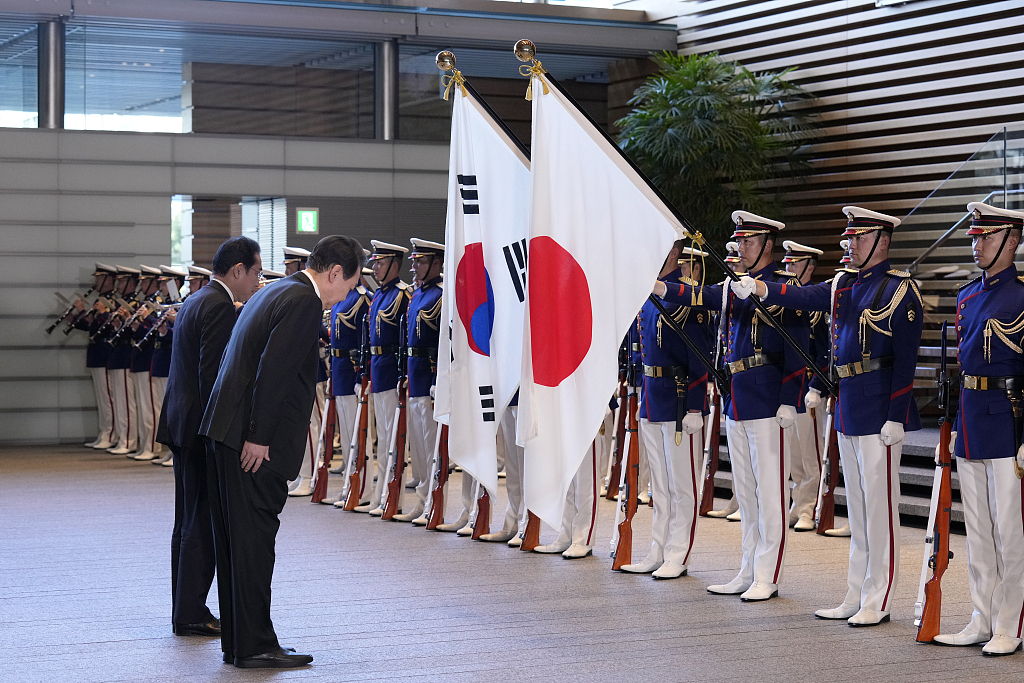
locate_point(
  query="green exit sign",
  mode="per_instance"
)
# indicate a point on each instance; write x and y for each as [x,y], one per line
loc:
[307,221]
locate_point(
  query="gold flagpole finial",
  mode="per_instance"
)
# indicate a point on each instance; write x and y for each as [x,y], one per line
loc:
[526,51]
[446,62]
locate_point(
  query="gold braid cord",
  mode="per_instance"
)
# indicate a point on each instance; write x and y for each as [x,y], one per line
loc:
[431,316]
[347,319]
[454,78]
[1002,330]
[680,316]
[390,315]
[869,317]
[531,70]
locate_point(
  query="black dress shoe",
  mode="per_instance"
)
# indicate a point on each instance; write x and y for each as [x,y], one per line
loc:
[208,628]
[228,658]
[278,659]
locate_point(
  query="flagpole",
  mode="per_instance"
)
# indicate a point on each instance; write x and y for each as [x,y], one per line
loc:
[526,53]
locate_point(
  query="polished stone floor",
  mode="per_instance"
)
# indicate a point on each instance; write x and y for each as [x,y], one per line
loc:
[84,596]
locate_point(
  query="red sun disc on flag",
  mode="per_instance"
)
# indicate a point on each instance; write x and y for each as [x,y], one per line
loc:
[561,317]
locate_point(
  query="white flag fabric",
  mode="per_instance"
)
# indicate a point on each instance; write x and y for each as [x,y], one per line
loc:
[598,238]
[480,361]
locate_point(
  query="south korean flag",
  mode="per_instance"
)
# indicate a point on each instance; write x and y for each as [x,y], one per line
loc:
[480,359]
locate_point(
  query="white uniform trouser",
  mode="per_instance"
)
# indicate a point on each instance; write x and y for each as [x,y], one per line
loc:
[579,513]
[125,417]
[871,474]
[346,407]
[995,542]
[158,386]
[422,434]
[515,512]
[385,403]
[805,464]
[104,404]
[644,471]
[145,405]
[316,416]
[759,456]
[674,484]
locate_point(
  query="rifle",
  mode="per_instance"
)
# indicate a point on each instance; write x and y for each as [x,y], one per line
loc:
[396,454]
[938,555]
[355,471]
[325,446]
[440,479]
[614,473]
[69,310]
[623,553]
[483,514]
[712,442]
[825,509]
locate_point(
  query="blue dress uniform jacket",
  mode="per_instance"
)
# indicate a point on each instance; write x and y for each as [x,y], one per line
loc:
[97,351]
[820,349]
[161,366]
[869,400]
[142,358]
[984,426]
[660,346]
[756,393]
[390,302]
[347,318]
[424,336]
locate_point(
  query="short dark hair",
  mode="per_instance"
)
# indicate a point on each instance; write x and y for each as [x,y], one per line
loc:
[337,250]
[236,250]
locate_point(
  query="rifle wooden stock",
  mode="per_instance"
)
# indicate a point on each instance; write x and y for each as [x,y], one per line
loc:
[931,614]
[394,500]
[440,481]
[327,443]
[357,480]
[624,549]
[826,516]
[483,515]
[531,534]
[707,499]
[620,438]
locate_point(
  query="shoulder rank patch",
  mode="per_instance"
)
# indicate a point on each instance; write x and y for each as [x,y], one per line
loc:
[700,317]
[899,273]
[911,314]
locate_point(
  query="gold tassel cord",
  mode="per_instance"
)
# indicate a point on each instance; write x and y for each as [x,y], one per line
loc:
[869,317]
[531,70]
[347,318]
[455,77]
[680,316]
[1002,331]
[431,316]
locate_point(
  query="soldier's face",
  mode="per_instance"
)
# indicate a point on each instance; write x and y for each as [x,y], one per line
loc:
[421,267]
[985,247]
[861,246]
[381,268]
[750,250]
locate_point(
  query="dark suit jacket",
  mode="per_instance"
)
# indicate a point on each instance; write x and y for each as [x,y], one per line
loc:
[266,385]
[201,331]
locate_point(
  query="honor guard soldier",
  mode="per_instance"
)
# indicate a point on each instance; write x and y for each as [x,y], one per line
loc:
[515,455]
[162,341]
[142,361]
[672,408]
[390,302]
[348,318]
[294,259]
[989,330]
[767,387]
[119,362]
[423,320]
[96,354]
[805,465]
[197,278]
[732,510]
[876,331]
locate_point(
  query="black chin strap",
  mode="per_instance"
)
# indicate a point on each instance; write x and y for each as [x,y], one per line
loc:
[995,258]
[803,272]
[878,236]
[764,243]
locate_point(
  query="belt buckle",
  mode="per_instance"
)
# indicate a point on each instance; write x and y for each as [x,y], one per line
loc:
[843,371]
[737,366]
[970,382]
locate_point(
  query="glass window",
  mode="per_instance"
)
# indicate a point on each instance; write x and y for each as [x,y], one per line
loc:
[18,69]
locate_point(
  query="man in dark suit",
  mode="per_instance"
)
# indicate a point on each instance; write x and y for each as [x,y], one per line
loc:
[256,420]
[201,331]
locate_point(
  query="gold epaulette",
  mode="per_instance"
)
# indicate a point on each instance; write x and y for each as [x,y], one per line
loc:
[899,273]
[361,290]
[689,281]
[784,273]
[403,286]
[1021,278]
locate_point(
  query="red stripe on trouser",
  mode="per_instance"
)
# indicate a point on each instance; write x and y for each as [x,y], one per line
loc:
[892,550]
[593,511]
[1020,621]
[693,483]
[152,412]
[110,400]
[782,489]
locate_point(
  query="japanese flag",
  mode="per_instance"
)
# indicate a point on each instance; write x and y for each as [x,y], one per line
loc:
[598,238]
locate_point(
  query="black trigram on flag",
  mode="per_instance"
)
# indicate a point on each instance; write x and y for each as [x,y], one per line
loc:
[470,197]
[487,402]
[515,258]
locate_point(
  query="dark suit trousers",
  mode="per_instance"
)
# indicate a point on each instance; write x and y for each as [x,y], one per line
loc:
[192,552]
[245,509]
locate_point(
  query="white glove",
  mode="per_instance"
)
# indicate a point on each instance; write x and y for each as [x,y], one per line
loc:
[743,287]
[659,288]
[813,398]
[892,433]
[952,446]
[1020,455]
[786,416]
[693,423]
[432,389]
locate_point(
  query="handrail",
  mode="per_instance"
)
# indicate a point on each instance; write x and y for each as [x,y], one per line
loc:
[913,267]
